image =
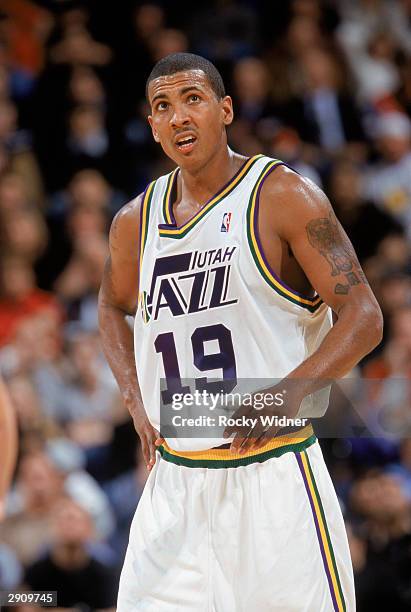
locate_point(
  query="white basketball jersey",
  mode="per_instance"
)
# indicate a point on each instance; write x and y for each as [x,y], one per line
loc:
[209,305]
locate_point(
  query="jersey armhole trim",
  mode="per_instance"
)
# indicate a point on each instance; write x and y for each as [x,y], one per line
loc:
[144,221]
[310,304]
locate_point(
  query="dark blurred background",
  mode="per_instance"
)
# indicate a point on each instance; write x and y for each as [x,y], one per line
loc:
[322,84]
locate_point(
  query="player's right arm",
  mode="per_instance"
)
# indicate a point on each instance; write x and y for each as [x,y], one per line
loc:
[117,300]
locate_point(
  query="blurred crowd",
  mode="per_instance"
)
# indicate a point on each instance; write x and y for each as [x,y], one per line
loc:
[325,85]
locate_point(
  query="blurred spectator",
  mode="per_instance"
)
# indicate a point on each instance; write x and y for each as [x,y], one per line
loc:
[374,67]
[17,144]
[26,28]
[29,409]
[24,234]
[167,41]
[77,46]
[87,136]
[87,188]
[385,580]
[288,146]
[358,216]
[85,88]
[27,531]
[324,114]
[79,283]
[396,358]
[11,571]
[403,95]
[19,296]
[389,183]
[80,578]
[14,195]
[124,493]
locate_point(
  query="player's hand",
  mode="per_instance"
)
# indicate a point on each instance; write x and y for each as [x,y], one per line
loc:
[149,436]
[249,436]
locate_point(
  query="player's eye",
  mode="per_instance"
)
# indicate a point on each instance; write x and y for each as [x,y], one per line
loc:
[161,106]
[193,98]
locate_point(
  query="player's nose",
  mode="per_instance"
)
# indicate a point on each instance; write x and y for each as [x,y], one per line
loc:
[180,117]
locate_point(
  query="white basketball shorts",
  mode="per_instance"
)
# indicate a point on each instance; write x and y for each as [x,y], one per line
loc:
[216,532]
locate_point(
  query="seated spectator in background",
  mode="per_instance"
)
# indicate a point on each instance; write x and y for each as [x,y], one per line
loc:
[358,216]
[36,351]
[80,212]
[28,27]
[375,70]
[381,503]
[27,530]
[403,95]
[395,251]
[19,296]
[324,114]
[79,578]
[388,271]
[287,146]
[89,393]
[124,493]
[252,86]
[87,143]
[89,188]
[79,283]
[21,159]
[14,195]
[256,113]
[389,182]
[11,570]
[396,358]
[166,41]
[85,88]
[77,47]
[31,416]
[24,234]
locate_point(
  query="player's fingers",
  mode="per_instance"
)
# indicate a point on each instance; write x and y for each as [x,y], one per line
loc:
[252,438]
[265,437]
[236,418]
[238,441]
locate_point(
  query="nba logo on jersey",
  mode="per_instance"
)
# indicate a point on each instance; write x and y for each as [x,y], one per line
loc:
[225,225]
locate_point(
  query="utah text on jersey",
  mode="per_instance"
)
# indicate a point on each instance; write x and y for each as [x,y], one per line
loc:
[189,282]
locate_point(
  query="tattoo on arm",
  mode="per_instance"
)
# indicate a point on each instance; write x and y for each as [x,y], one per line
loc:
[325,236]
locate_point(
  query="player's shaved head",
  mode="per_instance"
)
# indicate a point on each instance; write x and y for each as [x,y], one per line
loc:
[181,62]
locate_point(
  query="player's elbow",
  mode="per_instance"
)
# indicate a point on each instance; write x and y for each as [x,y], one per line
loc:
[373,324]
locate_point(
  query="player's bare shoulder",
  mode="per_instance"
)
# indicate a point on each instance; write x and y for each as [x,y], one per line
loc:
[125,229]
[289,198]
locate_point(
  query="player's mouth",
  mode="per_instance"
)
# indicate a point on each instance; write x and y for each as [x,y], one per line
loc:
[185,143]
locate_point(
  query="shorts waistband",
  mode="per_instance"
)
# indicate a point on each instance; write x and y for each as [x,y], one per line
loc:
[215,458]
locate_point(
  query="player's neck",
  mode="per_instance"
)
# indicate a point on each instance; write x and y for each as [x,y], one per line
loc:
[202,184]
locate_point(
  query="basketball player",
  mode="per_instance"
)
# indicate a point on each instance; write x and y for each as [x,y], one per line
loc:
[232,267]
[8,444]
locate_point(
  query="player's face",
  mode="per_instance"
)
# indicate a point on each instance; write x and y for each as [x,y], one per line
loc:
[187,118]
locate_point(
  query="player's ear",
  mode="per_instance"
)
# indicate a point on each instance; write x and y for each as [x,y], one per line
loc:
[227,110]
[153,129]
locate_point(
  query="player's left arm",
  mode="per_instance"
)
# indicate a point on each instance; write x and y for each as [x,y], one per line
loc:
[8,444]
[297,211]
[303,217]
